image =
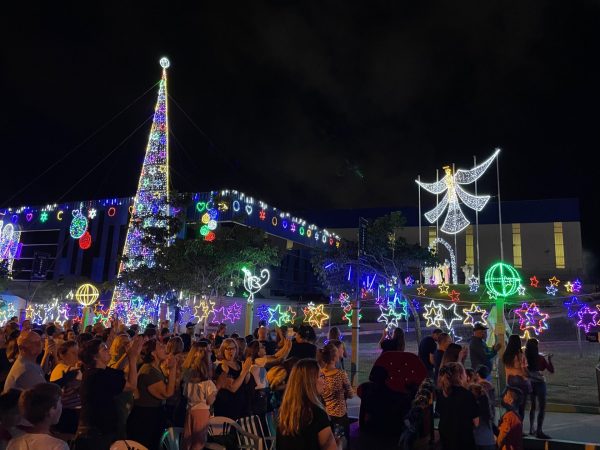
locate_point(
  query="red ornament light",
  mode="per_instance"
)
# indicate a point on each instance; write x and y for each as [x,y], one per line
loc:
[111,211]
[262,214]
[85,241]
[534,281]
[210,236]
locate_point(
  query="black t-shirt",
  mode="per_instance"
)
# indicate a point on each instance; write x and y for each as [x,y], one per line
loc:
[99,388]
[389,345]
[457,412]
[230,404]
[308,438]
[437,358]
[426,348]
[270,347]
[302,350]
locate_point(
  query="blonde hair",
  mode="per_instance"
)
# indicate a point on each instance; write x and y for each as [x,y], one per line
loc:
[226,342]
[200,367]
[299,398]
[175,346]
[119,346]
[450,375]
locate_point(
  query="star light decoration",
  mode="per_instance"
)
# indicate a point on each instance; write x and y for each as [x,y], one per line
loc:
[393,312]
[534,282]
[473,284]
[569,286]
[530,317]
[292,313]
[474,315]
[233,312]
[277,316]
[587,318]
[573,306]
[262,312]
[576,286]
[454,296]
[203,309]
[421,290]
[314,315]
[554,281]
[455,220]
[449,315]
[433,314]
[443,288]
[409,281]
[521,290]
[551,289]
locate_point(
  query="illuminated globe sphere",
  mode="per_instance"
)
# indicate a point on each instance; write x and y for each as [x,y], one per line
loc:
[164,63]
[87,294]
[502,280]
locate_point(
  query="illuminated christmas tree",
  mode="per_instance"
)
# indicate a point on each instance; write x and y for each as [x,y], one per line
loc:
[151,203]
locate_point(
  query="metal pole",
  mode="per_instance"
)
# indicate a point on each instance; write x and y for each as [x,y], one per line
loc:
[499,209]
[419,189]
[437,201]
[500,329]
[455,244]
[355,333]
[476,222]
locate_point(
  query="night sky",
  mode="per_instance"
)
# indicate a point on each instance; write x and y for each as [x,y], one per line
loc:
[304,104]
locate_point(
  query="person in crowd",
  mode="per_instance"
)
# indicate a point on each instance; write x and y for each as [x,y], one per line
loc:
[515,368]
[470,375]
[8,354]
[67,375]
[277,379]
[201,393]
[9,417]
[536,364]
[258,387]
[427,348]
[41,406]
[457,408]
[479,352]
[303,422]
[454,353]
[510,429]
[220,335]
[119,361]
[26,372]
[335,337]
[146,421]
[175,405]
[303,346]
[396,344]
[82,338]
[26,325]
[480,377]
[71,336]
[262,334]
[444,340]
[484,432]
[231,401]
[336,390]
[101,385]
[241,342]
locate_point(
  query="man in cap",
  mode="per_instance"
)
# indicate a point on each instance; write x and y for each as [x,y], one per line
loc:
[481,354]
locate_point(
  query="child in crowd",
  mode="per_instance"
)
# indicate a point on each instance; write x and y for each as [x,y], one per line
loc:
[41,407]
[9,417]
[511,426]
[483,433]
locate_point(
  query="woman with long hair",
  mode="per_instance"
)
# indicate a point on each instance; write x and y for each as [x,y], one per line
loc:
[536,364]
[98,420]
[258,387]
[67,375]
[458,410]
[454,353]
[118,360]
[334,336]
[337,388]
[397,343]
[146,421]
[201,393]
[303,422]
[230,375]
[515,367]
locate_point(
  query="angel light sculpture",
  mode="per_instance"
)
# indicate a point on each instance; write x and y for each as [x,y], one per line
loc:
[455,220]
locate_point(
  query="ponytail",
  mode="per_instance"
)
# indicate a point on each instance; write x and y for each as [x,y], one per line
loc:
[449,376]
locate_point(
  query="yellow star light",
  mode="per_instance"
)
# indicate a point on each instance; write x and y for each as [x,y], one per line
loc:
[473,311]
[315,315]
[433,314]
[569,286]
[421,290]
[203,309]
[554,281]
[443,288]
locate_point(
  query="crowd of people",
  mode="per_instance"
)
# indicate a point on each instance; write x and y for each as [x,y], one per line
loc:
[69,388]
[63,387]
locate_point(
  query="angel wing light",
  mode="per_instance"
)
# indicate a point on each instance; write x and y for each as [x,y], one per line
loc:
[455,220]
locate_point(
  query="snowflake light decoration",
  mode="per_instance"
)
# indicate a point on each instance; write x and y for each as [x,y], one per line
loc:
[455,220]
[92,213]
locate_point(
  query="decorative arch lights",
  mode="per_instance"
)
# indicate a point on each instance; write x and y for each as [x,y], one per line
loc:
[450,185]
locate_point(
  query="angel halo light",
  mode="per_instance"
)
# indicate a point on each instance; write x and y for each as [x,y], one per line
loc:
[455,220]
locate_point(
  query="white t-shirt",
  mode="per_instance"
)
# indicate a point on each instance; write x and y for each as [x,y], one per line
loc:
[198,394]
[259,373]
[33,441]
[24,374]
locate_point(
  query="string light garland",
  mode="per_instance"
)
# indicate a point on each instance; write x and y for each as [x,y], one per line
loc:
[455,220]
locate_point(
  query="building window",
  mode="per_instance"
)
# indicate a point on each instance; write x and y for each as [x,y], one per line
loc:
[469,243]
[559,245]
[516,235]
[432,236]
